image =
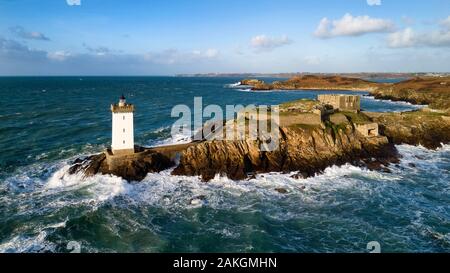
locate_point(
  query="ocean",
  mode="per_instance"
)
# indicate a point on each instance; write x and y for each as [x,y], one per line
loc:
[47,122]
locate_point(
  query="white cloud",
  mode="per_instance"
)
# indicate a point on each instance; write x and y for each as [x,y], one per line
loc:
[446,23]
[263,43]
[374,2]
[409,38]
[73,2]
[352,26]
[59,55]
[312,60]
[403,38]
[173,56]
[32,35]
[211,53]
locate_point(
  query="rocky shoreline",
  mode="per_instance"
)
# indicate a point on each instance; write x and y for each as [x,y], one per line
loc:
[312,82]
[306,149]
[432,91]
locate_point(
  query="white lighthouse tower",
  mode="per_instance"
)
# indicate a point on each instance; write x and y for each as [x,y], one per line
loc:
[122,128]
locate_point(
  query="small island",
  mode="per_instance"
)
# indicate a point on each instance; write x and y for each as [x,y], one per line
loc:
[315,134]
[313,82]
[424,90]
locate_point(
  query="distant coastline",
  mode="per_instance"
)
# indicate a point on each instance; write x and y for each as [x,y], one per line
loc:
[361,75]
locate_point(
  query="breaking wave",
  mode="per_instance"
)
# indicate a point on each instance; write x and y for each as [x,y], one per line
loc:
[233,85]
[391,102]
[340,191]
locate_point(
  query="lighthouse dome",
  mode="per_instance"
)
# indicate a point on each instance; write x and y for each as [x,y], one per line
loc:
[122,100]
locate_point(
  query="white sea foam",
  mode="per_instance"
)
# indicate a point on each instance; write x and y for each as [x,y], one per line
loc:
[22,243]
[233,85]
[179,193]
[178,138]
[98,188]
[404,103]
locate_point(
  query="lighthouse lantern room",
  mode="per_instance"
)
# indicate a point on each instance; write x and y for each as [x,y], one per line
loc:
[122,127]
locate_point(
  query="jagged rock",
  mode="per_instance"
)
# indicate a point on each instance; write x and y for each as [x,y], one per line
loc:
[132,167]
[428,129]
[251,82]
[198,200]
[307,151]
[281,190]
[419,90]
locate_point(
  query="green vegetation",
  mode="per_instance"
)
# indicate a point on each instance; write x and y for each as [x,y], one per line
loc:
[356,117]
[304,126]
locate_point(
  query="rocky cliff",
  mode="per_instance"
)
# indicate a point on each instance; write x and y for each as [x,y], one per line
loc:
[132,168]
[434,91]
[424,127]
[307,150]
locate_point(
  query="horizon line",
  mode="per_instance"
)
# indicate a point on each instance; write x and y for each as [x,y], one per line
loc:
[219,73]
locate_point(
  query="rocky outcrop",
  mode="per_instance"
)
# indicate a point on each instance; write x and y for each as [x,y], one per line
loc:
[306,150]
[433,91]
[424,127]
[132,168]
[313,82]
[251,82]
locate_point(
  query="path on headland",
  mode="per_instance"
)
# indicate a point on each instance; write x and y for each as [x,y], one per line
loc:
[174,148]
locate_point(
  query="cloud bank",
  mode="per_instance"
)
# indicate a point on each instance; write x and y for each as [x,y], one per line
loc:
[263,43]
[374,2]
[349,25]
[73,2]
[31,35]
[16,58]
[410,38]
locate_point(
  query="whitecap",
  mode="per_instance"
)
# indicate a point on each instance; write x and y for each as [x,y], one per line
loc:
[403,103]
[22,243]
[233,85]
[99,187]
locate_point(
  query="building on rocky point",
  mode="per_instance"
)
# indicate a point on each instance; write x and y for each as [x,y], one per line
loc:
[367,129]
[122,128]
[350,103]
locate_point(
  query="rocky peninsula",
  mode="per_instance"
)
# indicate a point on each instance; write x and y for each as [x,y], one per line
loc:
[313,137]
[424,90]
[313,82]
[432,91]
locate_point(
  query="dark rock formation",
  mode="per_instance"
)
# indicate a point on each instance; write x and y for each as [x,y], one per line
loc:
[305,150]
[132,168]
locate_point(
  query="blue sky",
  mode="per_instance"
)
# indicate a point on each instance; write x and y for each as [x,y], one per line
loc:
[118,37]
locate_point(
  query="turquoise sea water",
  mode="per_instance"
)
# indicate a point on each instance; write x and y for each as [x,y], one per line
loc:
[46,122]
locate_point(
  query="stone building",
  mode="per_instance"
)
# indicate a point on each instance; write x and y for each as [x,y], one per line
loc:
[350,103]
[367,129]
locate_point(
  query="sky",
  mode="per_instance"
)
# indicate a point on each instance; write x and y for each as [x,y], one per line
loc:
[167,37]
